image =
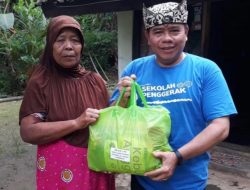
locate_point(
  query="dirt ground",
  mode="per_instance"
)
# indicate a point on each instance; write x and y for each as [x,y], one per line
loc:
[17,160]
[17,172]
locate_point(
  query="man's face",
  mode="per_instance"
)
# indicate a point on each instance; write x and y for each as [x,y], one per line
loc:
[67,48]
[167,42]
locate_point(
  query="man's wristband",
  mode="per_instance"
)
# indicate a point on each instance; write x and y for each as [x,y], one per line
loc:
[179,157]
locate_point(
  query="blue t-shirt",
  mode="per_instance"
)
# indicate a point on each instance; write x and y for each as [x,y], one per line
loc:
[195,92]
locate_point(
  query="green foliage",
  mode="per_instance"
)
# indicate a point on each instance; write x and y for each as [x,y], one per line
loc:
[100,33]
[4,6]
[20,47]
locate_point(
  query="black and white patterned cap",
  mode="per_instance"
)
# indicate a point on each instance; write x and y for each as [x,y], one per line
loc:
[165,13]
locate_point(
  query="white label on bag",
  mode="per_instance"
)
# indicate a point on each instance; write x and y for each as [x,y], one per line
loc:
[120,154]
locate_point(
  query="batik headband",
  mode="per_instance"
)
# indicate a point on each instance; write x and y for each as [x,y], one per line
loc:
[165,13]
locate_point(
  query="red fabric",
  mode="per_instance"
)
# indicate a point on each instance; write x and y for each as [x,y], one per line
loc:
[69,173]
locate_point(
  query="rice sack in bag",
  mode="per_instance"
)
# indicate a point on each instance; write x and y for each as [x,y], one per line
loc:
[123,139]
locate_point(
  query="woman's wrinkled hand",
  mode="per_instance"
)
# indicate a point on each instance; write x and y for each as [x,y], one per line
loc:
[89,116]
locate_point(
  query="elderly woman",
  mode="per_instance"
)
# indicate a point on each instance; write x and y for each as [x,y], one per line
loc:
[61,100]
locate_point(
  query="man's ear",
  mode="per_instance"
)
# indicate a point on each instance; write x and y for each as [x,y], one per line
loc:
[186,29]
[146,34]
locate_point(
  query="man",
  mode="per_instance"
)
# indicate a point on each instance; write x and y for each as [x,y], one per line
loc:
[192,88]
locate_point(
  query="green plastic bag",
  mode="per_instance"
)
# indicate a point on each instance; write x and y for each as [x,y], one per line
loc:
[123,139]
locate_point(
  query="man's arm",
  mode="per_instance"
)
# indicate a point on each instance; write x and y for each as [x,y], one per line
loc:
[215,132]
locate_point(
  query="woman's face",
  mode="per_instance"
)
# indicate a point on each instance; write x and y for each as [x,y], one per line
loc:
[67,48]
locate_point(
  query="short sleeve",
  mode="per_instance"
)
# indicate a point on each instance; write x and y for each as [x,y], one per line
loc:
[217,99]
